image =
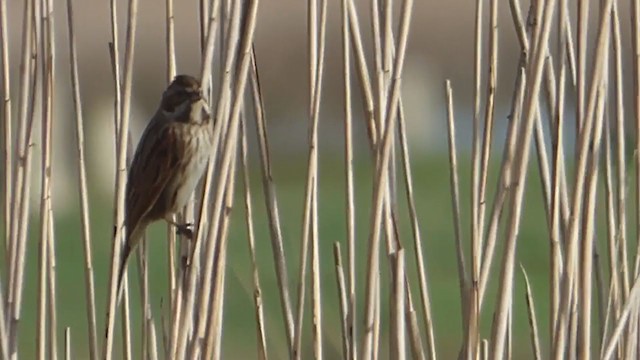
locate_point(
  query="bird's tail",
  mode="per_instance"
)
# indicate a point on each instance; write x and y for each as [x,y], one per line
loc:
[130,243]
[126,251]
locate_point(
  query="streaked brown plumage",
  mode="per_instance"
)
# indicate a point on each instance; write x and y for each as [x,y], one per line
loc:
[170,159]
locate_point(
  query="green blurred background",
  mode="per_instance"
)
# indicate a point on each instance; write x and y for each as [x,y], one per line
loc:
[433,206]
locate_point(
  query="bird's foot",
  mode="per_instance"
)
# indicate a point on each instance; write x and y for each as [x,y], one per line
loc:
[185,262]
[185,230]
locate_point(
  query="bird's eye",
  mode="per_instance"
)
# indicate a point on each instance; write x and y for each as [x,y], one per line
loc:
[195,95]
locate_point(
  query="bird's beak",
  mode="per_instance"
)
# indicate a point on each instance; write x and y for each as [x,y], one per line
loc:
[196,97]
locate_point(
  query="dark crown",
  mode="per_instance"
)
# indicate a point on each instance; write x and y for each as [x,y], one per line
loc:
[185,82]
[182,88]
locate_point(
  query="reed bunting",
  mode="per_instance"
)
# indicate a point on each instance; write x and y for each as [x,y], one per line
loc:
[170,159]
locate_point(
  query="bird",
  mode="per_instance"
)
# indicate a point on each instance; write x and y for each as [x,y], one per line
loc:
[169,161]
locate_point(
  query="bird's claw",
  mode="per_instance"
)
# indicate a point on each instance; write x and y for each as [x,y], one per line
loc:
[184,229]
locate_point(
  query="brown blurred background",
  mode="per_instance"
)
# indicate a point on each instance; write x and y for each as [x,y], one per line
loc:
[441,46]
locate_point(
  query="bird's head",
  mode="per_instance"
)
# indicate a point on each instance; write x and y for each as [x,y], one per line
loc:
[183,100]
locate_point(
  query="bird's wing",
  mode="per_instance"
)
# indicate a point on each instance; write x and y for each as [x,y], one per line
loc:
[153,166]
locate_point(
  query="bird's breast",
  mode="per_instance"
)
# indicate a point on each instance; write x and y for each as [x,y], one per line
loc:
[196,155]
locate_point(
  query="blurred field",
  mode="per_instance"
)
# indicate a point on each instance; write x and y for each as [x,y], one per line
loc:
[433,203]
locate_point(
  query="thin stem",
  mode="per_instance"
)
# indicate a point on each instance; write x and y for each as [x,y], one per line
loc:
[83,192]
[398,311]
[271,204]
[471,336]
[257,289]
[533,323]
[122,134]
[7,128]
[342,297]
[350,333]
[45,190]
[454,185]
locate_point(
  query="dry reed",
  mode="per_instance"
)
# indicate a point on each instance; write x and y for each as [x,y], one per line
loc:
[593,289]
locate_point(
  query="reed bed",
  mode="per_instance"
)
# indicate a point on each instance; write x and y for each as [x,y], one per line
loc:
[566,87]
